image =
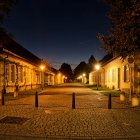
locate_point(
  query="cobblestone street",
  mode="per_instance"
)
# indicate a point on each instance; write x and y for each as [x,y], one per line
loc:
[55,118]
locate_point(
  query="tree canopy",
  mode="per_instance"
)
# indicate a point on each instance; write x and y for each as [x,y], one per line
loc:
[124,37]
[84,67]
[5,8]
[80,69]
[67,71]
[91,63]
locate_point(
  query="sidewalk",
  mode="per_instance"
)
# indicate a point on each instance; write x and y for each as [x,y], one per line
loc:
[54,118]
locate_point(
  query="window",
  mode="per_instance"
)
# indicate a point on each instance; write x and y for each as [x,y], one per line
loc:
[7,67]
[12,74]
[102,77]
[38,76]
[108,76]
[126,73]
[20,74]
[28,75]
[113,75]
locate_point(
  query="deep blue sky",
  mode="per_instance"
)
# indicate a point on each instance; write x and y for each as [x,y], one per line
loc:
[60,30]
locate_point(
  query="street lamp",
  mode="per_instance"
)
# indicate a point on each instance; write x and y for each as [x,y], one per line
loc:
[42,67]
[83,77]
[97,67]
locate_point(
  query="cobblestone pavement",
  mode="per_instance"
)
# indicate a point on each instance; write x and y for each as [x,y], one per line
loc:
[55,118]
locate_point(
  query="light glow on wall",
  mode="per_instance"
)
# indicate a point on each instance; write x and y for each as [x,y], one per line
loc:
[42,67]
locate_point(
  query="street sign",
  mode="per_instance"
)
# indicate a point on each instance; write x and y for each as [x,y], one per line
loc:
[130,60]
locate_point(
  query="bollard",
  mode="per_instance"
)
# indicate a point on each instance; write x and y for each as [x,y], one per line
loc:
[122,96]
[109,101]
[73,100]
[36,99]
[135,101]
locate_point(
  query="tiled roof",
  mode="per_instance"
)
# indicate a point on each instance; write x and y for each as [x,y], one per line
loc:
[106,58]
[12,46]
[54,70]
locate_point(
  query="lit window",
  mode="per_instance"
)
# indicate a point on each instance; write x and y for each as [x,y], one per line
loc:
[20,74]
[113,75]
[126,73]
[12,78]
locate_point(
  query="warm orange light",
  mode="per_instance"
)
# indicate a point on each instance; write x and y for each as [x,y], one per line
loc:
[42,67]
[59,74]
[97,67]
[84,74]
[80,76]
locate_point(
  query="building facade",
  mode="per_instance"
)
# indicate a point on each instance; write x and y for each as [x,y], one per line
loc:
[119,75]
[20,69]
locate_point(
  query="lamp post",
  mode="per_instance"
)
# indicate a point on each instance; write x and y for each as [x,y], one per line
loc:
[83,78]
[130,61]
[42,67]
[97,67]
[59,78]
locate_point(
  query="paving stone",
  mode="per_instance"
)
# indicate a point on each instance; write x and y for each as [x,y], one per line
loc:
[90,120]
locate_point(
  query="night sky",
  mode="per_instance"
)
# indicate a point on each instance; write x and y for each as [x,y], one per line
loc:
[60,30]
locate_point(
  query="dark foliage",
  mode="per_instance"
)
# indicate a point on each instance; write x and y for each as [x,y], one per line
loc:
[5,8]
[124,37]
[91,62]
[67,71]
[80,69]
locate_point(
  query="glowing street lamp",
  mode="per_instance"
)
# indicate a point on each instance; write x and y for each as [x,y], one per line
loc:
[83,77]
[84,74]
[80,76]
[97,67]
[42,67]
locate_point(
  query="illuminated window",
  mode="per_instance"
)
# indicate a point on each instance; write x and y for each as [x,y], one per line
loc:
[12,74]
[38,77]
[113,75]
[27,75]
[126,73]
[109,77]
[7,72]
[102,77]
[20,74]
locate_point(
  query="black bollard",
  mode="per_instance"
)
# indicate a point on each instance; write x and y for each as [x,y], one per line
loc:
[36,99]
[109,101]
[73,100]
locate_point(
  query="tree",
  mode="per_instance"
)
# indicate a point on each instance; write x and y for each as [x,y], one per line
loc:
[91,63]
[80,69]
[67,71]
[125,31]
[5,8]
